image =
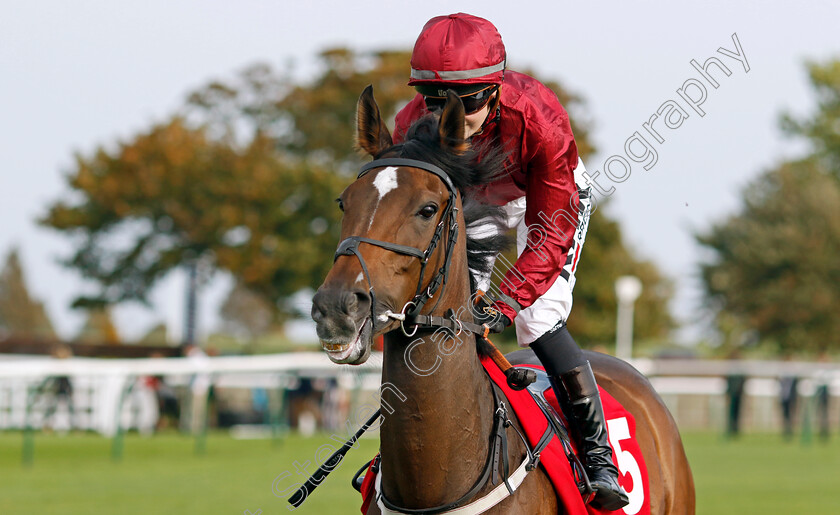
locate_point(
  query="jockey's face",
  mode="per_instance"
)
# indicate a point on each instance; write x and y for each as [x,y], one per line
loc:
[474,121]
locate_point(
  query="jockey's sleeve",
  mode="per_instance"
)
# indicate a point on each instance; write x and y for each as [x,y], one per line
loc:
[549,157]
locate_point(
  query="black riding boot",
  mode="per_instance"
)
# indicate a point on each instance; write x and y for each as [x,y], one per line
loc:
[577,393]
[586,416]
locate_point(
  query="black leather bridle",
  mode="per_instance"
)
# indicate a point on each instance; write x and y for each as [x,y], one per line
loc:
[449,218]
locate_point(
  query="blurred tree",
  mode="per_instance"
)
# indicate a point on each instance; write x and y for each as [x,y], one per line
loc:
[157,335]
[173,195]
[774,267]
[246,314]
[147,207]
[99,328]
[20,314]
[315,120]
[822,128]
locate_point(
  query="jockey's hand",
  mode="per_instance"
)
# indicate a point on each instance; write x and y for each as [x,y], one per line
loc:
[490,316]
[499,325]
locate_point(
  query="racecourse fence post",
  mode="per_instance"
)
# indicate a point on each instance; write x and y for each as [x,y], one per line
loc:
[807,429]
[203,418]
[118,443]
[275,409]
[28,450]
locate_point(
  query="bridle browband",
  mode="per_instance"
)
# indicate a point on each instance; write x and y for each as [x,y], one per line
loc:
[449,219]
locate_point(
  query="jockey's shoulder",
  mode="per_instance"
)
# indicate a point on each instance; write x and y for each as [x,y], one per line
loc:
[536,102]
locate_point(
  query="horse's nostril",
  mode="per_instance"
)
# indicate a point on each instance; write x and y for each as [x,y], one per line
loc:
[335,304]
[318,309]
[316,313]
[356,302]
[362,299]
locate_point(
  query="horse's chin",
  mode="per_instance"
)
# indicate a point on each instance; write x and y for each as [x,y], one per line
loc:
[354,352]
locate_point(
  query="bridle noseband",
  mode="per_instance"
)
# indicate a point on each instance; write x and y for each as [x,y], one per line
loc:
[449,218]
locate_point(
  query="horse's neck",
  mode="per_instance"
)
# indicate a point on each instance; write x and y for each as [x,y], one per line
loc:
[435,443]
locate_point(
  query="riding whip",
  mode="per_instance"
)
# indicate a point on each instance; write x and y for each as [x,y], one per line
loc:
[323,471]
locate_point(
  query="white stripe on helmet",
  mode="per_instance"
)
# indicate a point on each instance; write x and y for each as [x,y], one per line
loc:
[457,74]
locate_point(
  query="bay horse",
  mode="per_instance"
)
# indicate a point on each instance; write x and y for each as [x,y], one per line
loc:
[435,442]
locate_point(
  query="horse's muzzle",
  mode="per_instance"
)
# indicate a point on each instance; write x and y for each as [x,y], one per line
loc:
[343,324]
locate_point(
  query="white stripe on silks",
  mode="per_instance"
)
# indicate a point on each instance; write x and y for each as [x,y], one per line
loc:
[579,178]
[497,495]
[514,211]
[481,229]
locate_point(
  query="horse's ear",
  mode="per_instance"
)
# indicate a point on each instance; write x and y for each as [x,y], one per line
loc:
[452,128]
[372,135]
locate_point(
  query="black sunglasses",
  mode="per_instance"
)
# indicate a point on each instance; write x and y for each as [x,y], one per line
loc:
[472,103]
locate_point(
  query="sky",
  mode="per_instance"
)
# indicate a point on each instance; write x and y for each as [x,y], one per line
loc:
[76,75]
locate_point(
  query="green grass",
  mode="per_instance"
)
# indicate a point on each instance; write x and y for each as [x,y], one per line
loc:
[763,474]
[163,475]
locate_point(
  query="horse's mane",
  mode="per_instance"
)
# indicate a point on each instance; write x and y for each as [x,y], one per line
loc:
[468,171]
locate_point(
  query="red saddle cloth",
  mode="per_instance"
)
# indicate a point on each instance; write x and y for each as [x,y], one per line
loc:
[621,427]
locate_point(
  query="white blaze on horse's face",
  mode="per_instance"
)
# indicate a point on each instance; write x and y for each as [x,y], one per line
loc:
[385,181]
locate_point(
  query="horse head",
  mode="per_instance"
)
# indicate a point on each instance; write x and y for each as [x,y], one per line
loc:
[399,233]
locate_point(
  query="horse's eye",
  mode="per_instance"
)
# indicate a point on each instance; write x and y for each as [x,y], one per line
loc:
[340,204]
[428,211]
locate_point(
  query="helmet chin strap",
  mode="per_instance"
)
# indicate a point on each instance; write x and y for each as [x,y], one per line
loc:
[496,102]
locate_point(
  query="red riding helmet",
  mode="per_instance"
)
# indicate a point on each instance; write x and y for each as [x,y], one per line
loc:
[459,48]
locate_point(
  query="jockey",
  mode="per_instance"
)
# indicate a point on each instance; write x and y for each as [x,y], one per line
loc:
[544,197]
